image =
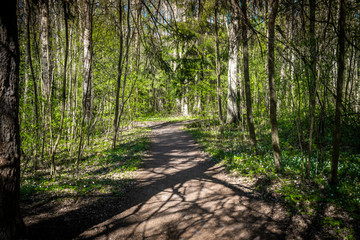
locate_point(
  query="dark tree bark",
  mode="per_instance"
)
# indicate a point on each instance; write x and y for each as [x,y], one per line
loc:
[245,52]
[313,81]
[11,224]
[35,88]
[218,64]
[272,86]
[123,65]
[118,80]
[63,95]
[137,47]
[339,93]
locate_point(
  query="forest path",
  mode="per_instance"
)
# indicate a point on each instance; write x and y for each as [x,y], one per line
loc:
[181,195]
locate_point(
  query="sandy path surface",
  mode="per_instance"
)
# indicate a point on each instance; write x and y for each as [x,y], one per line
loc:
[179,194]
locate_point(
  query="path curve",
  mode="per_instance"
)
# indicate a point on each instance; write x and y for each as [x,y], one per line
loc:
[179,194]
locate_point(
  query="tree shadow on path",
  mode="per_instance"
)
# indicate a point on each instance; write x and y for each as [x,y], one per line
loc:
[177,195]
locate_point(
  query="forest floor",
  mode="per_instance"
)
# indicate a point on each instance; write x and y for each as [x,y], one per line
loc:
[179,193]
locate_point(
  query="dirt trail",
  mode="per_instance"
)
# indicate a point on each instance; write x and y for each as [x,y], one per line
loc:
[181,195]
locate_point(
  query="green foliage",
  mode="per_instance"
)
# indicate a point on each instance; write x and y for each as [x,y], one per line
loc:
[177,64]
[164,117]
[310,197]
[103,171]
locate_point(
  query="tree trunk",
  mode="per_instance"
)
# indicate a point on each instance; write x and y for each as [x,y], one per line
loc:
[272,86]
[232,106]
[64,84]
[118,81]
[123,64]
[313,81]
[46,74]
[339,93]
[26,12]
[45,49]
[11,224]
[249,115]
[137,49]
[218,64]
[199,79]
[87,99]
[36,101]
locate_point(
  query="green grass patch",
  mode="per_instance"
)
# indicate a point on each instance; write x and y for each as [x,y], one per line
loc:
[231,147]
[103,170]
[165,118]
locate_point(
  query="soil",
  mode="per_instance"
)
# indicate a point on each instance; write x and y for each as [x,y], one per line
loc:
[178,194]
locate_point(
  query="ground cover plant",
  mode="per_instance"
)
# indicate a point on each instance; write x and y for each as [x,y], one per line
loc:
[332,208]
[102,172]
[277,82]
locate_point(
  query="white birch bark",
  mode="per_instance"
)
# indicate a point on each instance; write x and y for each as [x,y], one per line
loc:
[232,107]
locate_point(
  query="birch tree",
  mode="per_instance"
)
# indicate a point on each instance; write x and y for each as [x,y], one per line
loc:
[232,105]
[87,84]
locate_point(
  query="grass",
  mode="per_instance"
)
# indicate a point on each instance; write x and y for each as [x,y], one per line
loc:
[165,118]
[103,171]
[312,197]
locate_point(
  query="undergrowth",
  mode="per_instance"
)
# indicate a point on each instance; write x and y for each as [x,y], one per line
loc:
[312,197]
[164,118]
[102,171]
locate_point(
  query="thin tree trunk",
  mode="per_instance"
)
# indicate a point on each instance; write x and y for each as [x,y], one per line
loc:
[26,12]
[339,93]
[63,108]
[137,48]
[313,82]
[185,99]
[123,100]
[245,52]
[218,64]
[272,86]
[45,49]
[122,61]
[74,102]
[36,100]
[118,81]
[200,74]
[87,84]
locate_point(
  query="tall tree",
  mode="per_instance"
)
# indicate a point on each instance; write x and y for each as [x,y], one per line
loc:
[137,45]
[63,95]
[199,78]
[34,82]
[120,68]
[339,93]
[46,72]
[218,63]
[123,64]
[245,53]
[45,49]
[272,86]
[11,224]
[87,98]
[232,105]
[313,80]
